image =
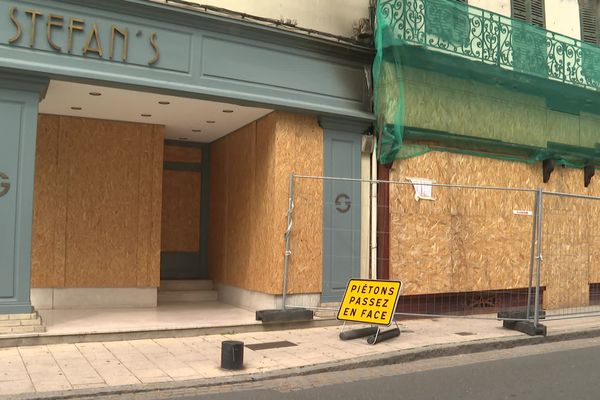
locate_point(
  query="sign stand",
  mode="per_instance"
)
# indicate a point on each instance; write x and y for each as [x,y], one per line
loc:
[373,302]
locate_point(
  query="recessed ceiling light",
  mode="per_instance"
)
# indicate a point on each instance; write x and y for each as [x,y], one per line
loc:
[76,108]
[146,115]
[164,103]
[196,130]
[210,122]
[95,94]
[227,111]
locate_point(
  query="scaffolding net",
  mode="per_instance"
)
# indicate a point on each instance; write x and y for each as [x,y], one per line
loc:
[452,77]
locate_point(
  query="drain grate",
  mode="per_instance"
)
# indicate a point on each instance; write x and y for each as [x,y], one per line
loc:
[270,345]
[465,333]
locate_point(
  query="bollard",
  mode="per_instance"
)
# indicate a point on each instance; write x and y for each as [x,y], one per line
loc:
[232,354]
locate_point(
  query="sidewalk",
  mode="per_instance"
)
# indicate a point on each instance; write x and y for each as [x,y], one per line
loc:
[138,365]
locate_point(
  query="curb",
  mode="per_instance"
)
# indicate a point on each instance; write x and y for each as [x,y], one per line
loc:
[395,357]
[41,339]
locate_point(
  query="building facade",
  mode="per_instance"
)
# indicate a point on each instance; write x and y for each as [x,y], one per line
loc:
[146,141]
[490,94]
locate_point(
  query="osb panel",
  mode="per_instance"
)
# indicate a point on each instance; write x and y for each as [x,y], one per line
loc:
[300,150]
[46,268]
[181,211]
[268,258]
[424,265]
[107,206]
[183,154]
[249,196]
[240,221]
[472,239]
[217,223]
[149,211]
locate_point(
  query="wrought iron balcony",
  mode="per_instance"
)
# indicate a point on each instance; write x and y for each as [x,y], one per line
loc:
[472,33]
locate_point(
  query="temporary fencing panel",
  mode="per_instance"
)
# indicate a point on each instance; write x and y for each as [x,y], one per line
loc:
[460,250]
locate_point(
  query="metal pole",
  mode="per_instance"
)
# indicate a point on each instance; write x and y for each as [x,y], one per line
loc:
[536,318]
[532,257]
[288,234]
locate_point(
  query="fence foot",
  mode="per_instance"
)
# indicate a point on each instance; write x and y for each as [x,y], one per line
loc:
[519,314]
[383,335]
[526,327]
[289,315]
[358,333]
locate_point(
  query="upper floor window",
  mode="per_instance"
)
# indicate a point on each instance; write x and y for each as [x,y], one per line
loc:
[588,18]
[531,11]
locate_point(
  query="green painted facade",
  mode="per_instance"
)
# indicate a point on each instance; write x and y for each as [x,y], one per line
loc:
[19,96]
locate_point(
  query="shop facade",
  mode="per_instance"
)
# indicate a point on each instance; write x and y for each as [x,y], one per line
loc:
[99,207]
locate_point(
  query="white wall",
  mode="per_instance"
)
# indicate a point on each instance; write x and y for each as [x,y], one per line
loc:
[501,7]
[331,16]
[562,16]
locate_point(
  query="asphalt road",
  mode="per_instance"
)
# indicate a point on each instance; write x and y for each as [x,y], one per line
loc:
[550,372]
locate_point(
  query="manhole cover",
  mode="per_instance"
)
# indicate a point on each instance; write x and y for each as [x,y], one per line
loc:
[465,333]
[270,345]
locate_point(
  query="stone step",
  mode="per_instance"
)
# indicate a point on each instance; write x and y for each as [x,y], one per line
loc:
[186,296]
[21,323]
[4,330]
[327,310]
[185,285]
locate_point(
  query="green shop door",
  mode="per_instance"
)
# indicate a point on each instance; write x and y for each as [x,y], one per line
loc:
[342,212]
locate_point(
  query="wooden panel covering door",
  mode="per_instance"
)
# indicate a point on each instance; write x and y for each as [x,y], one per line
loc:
[97,203]
[181,252]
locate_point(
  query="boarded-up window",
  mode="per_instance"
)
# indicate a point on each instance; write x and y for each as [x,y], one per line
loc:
[588,16]
[531,11]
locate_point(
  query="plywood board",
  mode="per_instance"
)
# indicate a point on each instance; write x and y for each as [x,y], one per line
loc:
[104,205]
[241,223]
[470,239]
[149,207]
[300,150]
[267,209]
[183,154]
[47,267]
[217,205]
[181,211]
[249,187]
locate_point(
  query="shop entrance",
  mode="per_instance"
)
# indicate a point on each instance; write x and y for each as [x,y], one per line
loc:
[122,185]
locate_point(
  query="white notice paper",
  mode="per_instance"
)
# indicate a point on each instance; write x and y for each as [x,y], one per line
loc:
[423,188]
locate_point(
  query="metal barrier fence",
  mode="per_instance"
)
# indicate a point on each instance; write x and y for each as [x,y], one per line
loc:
[461,250]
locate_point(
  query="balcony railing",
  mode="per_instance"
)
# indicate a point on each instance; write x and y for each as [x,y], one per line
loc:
[472,33]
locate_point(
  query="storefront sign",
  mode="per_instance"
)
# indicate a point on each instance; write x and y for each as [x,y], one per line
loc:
[77,35]
[369,301]
[4,184]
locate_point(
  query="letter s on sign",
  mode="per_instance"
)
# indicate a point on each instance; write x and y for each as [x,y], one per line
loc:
[4,186]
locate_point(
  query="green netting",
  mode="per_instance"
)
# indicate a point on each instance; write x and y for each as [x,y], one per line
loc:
[481,81]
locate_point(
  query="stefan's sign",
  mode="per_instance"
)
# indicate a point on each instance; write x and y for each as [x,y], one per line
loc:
[62,33]
[371,302]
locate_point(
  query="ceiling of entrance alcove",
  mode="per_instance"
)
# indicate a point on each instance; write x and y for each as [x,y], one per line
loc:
[184,118]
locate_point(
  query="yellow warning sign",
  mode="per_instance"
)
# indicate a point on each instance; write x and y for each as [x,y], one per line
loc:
[371,302]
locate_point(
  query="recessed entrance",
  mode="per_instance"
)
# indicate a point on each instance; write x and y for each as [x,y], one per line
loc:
[122,175]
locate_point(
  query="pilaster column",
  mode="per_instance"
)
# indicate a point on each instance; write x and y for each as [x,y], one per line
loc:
[19,99]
